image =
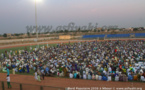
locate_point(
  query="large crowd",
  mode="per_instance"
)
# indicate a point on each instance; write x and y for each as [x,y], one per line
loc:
[106,60]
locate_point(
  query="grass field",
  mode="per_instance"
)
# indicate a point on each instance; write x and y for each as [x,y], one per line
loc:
[31,72]
[23,47]
[28,47]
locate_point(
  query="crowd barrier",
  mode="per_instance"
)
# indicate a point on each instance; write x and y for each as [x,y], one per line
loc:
[20,86]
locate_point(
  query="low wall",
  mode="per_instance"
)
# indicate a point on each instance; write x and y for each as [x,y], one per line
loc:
[65,37]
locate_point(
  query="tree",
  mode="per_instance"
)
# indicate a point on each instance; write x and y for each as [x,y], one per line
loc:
[33,33]
[28,33]
[79,29]
[17,34]
[4,35]
[135,29]
[60,31]
[66,31]
[95,30]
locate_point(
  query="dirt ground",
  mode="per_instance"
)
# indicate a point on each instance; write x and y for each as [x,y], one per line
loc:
[64,82]
[54,42]
[50,42]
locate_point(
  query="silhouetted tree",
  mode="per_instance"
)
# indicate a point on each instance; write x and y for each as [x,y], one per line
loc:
[4,35]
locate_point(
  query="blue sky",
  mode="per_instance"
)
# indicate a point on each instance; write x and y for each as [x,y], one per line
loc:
[15,15]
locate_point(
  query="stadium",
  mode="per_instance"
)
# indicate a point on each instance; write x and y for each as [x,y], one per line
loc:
[82,59]
[66,61]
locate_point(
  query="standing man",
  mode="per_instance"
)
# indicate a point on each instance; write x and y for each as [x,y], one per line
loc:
[8,72]
[8,81]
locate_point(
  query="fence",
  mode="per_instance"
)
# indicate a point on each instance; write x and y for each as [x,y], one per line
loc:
[136,35]
[139,34]
[20,86]
[93,36]
[117,35]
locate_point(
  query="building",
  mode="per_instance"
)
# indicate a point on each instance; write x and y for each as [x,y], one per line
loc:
[131,29]
[24,35]
[9,34]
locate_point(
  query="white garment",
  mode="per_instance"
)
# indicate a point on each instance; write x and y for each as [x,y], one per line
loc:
[104,72]
[36,75]
[70,75]
[97,77]
[8,79]
[110,69]
[142,78]
[100,78]
[116,78]
[141,71]
[87,69]
[84,76]
[96,64]
[109,78]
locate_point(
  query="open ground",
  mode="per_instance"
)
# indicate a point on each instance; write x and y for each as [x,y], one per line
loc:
[65,82]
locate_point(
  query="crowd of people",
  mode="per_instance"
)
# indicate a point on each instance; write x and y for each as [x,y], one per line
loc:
[104,60]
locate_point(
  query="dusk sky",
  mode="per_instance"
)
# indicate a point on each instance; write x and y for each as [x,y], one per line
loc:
[15,15]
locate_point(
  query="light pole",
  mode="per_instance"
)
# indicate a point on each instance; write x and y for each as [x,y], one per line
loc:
[36,20]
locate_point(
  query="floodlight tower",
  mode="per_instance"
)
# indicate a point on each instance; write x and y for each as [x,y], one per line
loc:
[36,20]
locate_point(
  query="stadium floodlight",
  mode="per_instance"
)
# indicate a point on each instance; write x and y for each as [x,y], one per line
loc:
[38,1]
[36,19]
